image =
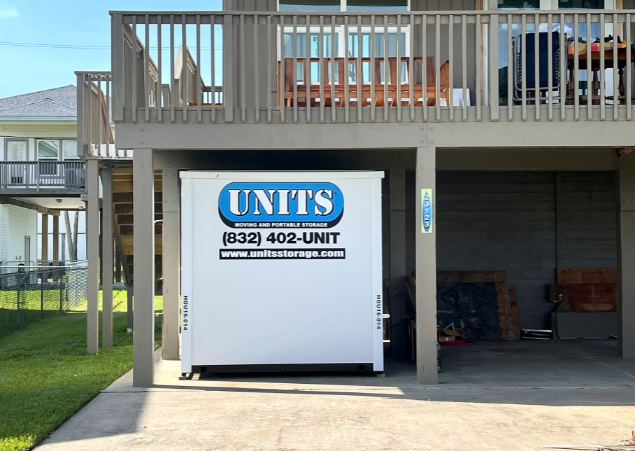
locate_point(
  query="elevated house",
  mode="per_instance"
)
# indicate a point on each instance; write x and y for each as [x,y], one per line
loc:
[516,114]
[40,173]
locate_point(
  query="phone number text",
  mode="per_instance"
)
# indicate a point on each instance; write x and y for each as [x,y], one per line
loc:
[257,238]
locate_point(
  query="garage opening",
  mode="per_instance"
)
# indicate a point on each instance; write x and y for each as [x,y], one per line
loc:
[522,256]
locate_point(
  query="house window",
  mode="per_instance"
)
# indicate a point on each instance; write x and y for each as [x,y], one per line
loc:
[309,5]
[48,149]
[334,38]
[581,4]
[518,4]
[377,5]
[17,150]
[48,152]
[69,148]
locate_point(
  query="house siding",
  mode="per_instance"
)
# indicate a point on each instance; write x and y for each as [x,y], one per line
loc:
[587,219]
[15,224]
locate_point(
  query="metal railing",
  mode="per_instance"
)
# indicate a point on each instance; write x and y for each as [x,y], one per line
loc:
[32,293]
[42,174]
[94,132]
[418,66]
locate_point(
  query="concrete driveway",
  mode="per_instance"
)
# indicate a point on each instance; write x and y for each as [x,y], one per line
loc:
[509,396]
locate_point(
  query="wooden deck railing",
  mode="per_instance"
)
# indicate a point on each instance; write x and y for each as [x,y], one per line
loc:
[94,132]
[42,174]
[367,67]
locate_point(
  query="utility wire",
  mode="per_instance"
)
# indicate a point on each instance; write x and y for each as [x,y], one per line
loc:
[55,46]
[80,47]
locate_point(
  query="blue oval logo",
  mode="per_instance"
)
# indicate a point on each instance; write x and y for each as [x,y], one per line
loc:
[281,204]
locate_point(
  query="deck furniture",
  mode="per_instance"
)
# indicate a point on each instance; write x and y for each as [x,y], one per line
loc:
[525,66]
[336,89]
[597,48]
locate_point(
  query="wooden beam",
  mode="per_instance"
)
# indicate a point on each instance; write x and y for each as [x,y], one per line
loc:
[23,204]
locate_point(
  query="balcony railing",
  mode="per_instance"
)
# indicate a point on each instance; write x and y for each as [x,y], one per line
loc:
[94,131]
[419,66]
[43,174]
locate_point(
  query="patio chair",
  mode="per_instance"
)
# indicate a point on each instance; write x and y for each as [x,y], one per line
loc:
[538,88]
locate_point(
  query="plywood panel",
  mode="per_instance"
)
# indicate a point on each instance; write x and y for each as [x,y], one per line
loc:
[584,297]
[587,275]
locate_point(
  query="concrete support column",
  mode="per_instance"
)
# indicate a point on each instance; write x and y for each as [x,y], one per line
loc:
[171,263]
[626,255]
[92,250]
[426,274]
[56,239]
[130,306]
[101,246]
[143,175]
[117,267]
[45,237]
[107,257]
[398,290]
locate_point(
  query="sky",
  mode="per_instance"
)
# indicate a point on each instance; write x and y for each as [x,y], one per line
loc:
[64,24]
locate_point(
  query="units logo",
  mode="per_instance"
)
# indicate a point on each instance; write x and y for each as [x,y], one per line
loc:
[281,204]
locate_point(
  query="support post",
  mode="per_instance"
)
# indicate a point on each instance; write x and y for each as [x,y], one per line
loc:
[143,175]
[101,246]
[107,257]
[45,237]
[171,263]
[56,240]
[117,267]
[130,305]
[426,274]
[398,291]
[626,255]
[92,245]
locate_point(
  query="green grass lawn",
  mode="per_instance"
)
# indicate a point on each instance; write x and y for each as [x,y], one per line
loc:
[46,375]
[35,305]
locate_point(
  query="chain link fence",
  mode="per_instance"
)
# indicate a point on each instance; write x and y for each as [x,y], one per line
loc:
[32,293]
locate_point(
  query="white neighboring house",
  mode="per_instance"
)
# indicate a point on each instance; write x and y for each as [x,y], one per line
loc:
[41,176]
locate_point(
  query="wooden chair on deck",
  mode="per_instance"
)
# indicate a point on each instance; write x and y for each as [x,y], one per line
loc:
[417,85]
[335,90]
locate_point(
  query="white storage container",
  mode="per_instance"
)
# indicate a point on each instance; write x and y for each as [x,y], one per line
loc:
[281,269]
